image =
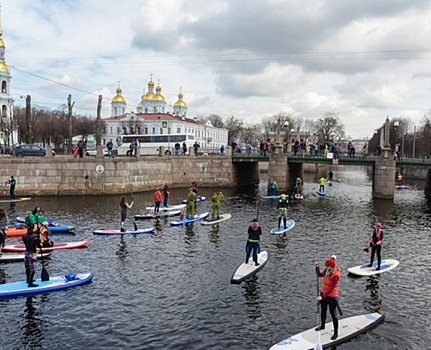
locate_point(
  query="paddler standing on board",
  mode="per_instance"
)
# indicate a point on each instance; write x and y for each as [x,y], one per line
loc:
[252,247]
[216,199]
[322,181]
[329,293]
[282,209]
[32,242]
[376,245]
[190,204]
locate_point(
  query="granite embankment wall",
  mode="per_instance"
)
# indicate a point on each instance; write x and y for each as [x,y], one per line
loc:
[92,176]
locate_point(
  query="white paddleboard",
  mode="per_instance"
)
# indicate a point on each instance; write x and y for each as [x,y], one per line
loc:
[364,270]
[16,257]
[348,328]
[245,271]
[168,208]
[223,217]
[281,229]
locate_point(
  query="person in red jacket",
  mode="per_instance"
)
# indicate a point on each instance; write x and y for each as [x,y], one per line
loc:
[157,200]
[329,293]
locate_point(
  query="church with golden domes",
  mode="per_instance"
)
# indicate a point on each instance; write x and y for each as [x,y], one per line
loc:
[153,118]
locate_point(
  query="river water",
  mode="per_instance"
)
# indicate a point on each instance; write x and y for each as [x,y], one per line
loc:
[172,290]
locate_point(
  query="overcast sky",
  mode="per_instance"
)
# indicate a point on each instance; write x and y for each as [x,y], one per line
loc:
[362,60]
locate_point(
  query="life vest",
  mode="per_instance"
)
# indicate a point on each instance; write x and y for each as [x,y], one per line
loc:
[327,281]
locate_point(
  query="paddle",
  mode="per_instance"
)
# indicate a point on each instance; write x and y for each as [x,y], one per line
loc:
[44,275]
[318,345]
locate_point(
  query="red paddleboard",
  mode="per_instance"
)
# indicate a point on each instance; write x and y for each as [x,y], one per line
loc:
[19,248]
[15,232]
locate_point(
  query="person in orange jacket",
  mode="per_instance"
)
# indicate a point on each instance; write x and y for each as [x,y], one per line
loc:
[157,200]
[329,293]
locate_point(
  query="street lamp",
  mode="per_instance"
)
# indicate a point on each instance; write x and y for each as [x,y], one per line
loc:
[286,126]
[396,125]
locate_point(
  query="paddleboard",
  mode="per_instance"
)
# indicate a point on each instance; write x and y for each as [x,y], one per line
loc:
[348,328]
[157,215]
[271,197]
[17,200]
[20,248]
[189,221]
[364,270]
[299,197]
[16,257]
[199,199]
[53,228]
[223,217]
[15,232]
[245,271]
[400,186]
[107,232]
[321,194]
[281,229]
[17,289]
[168,208]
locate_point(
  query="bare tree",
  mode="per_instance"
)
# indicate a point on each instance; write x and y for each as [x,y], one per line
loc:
[329,128]
[216,121]
[235,127]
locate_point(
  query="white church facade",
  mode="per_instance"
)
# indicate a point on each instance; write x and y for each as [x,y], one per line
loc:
[151,117]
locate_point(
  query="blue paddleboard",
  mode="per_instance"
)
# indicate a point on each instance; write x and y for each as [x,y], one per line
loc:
[189,221]
[281,229]
[18,289]
[321,194]
[198,199]
[271,197]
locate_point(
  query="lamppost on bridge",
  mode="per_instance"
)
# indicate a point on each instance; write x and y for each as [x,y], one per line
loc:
[286,126]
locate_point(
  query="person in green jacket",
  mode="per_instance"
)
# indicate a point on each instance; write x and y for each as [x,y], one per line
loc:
[190,204]
[216,199]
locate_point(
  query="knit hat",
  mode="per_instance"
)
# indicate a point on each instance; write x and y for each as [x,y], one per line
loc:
[254,220]
[330,262]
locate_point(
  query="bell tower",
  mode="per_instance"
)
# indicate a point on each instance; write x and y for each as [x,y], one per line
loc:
[8,135]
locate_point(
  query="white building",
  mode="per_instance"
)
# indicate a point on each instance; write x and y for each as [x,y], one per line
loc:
[151,111]
[8,133]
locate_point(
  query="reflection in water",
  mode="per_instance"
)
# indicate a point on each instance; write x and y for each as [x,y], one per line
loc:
[32,335]
[215,234]
[252,297]
[382,208]
[190,233]
[374,302]
[2,276]
[122,249]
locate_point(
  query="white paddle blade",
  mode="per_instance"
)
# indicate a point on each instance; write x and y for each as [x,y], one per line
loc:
[318,345]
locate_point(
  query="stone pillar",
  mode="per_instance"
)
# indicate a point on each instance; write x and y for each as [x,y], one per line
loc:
[161,151]
[99,151]
[228,151]
[384,178]
[48,151]
[277,169]
[137,151]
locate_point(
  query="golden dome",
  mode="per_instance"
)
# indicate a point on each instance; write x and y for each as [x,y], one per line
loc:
[140,105]
[158,97]
[119,98]
[1,43]
[3,67]
[150,83]
[180,104]
[148,96]
[158,88]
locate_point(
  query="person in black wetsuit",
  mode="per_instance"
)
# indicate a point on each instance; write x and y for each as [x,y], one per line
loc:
[376,245]
[32,242]
[252,247]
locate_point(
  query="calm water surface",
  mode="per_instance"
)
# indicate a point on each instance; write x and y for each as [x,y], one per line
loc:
[172,290]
